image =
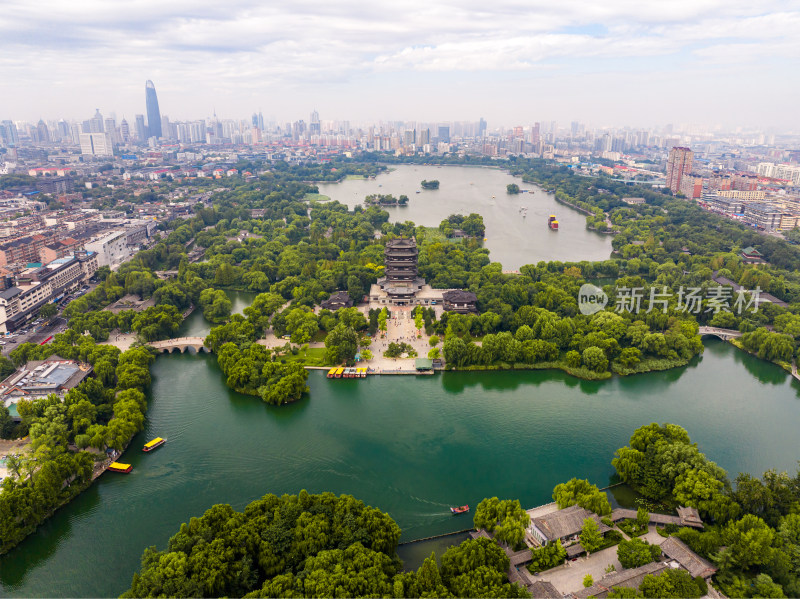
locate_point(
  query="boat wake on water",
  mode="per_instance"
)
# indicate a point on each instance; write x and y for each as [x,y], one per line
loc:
[428,501]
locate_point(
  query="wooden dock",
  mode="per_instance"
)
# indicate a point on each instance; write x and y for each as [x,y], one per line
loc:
[441,536]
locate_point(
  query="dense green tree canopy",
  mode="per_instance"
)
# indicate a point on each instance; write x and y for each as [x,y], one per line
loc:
[636,552]
[582,493]
[505,518]
[311,546]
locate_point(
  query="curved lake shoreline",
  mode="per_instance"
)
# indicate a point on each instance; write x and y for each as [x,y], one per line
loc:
[409,446]
[512,240]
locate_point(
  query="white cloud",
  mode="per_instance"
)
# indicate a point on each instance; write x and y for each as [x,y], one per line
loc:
[241,51]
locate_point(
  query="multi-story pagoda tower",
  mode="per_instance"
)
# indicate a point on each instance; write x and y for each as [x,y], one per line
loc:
[402,281]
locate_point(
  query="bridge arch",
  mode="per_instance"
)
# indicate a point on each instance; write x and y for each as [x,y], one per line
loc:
[181,345]
[724,334]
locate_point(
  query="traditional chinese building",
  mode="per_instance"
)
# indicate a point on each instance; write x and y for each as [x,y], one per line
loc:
[402,281]
[402,285]
[338,299]
[751,255]
[463,302]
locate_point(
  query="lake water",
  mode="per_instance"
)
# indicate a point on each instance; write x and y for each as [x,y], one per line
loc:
[411,446]
[195,325]
[512,240]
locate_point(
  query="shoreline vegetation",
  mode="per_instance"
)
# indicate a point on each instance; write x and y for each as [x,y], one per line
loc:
[294,258]
[324,545]
[582,373]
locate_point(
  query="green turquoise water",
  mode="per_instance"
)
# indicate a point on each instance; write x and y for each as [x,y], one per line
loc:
[197,326]
[410,446]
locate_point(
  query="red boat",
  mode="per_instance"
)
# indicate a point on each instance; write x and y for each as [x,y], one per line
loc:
[460,510]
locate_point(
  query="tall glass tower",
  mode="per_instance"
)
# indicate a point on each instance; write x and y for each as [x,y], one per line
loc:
[153,113]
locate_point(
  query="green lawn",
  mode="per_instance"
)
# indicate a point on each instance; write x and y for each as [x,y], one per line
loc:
[315,357]
[316,197]
[434,235]
[354,177]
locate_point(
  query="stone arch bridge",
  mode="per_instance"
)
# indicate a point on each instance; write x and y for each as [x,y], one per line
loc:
[724,334]
[181,344]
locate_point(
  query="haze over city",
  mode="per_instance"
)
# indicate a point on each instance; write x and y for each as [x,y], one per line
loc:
[715,63]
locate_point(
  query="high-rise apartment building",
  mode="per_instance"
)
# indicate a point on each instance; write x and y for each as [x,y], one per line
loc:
[691,185]
[124,131]
[314,128]
[535,133]
[64,130]
[165,127]
[141,128]
[679,164]
[8,133]
[96,144]
[444,134]
[153,113]
[780,171]
[424,137]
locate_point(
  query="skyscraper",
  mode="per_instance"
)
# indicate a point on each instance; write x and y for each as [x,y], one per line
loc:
[444,134]
[315,128]
[424,137]
[8,133]
[141,129]
[535,133]
[124,131]
[42,132]
[165,127]
[153,113]
[64,130]
[679,163]
[94,124]
[110,127]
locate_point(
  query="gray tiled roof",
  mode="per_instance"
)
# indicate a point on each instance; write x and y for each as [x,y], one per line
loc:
[542,589]
[676,549]
[631,578]
[566,522]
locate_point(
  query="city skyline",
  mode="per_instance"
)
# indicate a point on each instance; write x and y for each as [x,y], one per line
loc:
[623,63]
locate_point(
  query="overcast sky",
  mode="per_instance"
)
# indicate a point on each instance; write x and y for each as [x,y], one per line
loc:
[603,62]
